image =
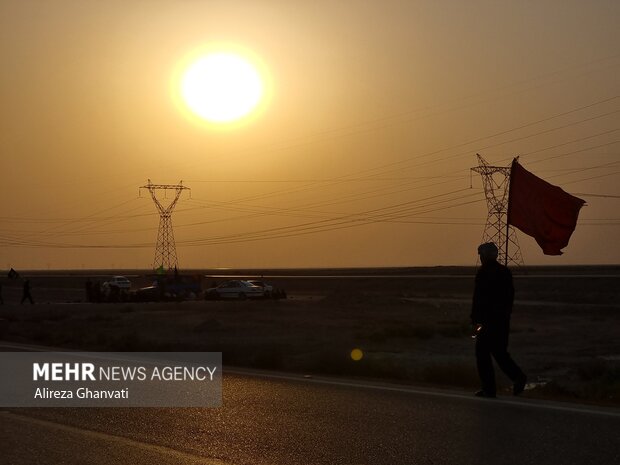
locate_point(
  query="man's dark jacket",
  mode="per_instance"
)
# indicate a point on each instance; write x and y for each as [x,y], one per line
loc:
[493,295]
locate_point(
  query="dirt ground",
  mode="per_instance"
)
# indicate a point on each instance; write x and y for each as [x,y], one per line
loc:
[412,326]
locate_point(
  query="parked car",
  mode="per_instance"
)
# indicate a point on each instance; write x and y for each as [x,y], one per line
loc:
[115,290]
[270,292]
[235,289]
[120,282]
[267,288]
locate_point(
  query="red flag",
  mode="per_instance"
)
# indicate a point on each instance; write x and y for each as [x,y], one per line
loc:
[541,210]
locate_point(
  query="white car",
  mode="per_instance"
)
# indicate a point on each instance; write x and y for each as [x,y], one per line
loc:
[267,288]
[120,282]
[235,289]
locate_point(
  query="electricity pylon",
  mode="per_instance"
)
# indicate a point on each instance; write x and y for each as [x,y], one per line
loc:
[496,180]
[165,249]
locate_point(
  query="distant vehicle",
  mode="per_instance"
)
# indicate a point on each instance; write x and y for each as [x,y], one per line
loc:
[270,292]
[168,288]
[235,289]
[267,288]
[116,289]
[120,282]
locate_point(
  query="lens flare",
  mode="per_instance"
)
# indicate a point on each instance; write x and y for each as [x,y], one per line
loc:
[356,355]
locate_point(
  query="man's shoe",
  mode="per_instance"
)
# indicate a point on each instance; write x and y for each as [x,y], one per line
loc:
[483,393]
[519,386]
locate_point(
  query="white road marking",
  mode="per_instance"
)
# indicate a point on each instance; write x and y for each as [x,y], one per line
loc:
[520,402]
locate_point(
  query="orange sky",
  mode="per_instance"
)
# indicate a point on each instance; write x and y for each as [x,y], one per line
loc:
[373,104]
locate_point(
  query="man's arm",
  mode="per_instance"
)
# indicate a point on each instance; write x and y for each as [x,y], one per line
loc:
[476,311]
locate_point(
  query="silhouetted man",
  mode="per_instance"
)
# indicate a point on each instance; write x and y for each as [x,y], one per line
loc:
[490,315]
[26,294]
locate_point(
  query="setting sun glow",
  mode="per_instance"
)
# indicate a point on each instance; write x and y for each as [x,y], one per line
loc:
[221,87]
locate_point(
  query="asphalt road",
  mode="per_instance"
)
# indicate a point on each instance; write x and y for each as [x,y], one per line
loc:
[277,419]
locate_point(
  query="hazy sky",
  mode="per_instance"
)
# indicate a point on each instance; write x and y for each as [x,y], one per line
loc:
[360,157]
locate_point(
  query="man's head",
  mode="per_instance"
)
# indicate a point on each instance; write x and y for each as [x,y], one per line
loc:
[488,252]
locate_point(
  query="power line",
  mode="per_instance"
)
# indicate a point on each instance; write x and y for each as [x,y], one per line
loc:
[606,196]
[593,177]
[95,220]
[340,179]
[302,229]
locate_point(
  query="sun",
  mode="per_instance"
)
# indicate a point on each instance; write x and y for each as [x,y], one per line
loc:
[221,87]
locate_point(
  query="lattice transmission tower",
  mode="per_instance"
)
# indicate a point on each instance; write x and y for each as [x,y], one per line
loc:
[165,249]
[496,180]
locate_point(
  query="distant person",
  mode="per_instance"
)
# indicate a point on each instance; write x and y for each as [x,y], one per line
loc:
[26,294]
[490,316]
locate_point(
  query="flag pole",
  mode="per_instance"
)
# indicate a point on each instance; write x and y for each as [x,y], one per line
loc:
[507,232]
[508,212]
